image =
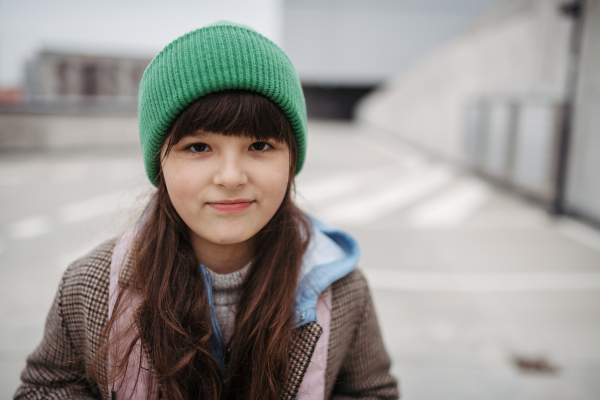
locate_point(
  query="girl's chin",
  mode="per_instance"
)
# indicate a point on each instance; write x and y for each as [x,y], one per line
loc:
[230,241]
[226,238]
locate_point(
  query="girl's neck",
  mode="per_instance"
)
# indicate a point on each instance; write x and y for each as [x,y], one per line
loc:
[223,258]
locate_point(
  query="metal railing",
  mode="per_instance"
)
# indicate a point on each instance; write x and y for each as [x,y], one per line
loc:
[516,143]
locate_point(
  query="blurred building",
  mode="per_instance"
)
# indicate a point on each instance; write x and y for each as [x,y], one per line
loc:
[515,98]
[11,96]
[55,75]
[74,100]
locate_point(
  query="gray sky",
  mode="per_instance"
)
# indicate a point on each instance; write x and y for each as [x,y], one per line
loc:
[140,27]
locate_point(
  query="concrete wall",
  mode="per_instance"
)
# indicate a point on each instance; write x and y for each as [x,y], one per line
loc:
[363,42]
[583,179]
[38,131]
[521,47]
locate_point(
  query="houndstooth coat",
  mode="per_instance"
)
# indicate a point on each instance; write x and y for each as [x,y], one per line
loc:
[357,362]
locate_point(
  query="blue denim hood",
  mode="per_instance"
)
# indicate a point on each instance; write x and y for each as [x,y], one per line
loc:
[331,255]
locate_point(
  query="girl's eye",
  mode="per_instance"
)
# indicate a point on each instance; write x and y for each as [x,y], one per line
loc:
[198,147]
[260,146]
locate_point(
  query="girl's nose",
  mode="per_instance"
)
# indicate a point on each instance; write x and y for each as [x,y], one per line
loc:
[230,173]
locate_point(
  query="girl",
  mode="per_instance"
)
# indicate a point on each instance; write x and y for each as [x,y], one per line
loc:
[225,290]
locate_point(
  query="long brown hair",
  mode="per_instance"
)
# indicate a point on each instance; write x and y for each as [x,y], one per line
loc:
[173,321]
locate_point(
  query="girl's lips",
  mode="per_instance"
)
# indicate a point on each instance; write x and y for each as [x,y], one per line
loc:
[231,205]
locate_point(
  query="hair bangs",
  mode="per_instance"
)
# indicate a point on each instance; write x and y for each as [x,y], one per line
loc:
[233,113]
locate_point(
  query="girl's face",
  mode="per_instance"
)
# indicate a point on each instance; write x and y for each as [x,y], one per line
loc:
[226,188]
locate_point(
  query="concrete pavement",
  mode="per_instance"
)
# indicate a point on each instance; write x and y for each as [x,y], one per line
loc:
[480,294]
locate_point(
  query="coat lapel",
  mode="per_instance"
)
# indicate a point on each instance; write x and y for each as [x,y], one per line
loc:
[303,347]
[97,322]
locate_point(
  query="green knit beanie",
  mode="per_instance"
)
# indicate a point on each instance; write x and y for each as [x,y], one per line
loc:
[211,59]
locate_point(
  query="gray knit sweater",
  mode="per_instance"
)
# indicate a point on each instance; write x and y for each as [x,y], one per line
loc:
[226,295]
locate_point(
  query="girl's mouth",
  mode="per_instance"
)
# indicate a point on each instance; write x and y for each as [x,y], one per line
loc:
[236,205]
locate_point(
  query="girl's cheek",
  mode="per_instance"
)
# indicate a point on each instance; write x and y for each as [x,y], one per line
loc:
[179,177]
[277,185]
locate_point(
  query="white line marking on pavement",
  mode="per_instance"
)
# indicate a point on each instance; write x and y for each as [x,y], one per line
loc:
[323,189]
[406,156]
[398,194]
[102,205]
[89,208]
[452,207]
[320,190]
[510,218]
[65,259]
[482,282]
[34,226]
[579,232]
[30,227]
